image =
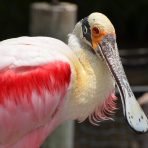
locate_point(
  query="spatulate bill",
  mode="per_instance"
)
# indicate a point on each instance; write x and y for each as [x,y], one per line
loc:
[134,114]
[132,111]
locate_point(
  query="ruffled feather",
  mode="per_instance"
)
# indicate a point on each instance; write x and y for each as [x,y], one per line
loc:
[104,111]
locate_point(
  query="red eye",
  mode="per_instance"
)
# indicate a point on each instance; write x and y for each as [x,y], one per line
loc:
[96,30]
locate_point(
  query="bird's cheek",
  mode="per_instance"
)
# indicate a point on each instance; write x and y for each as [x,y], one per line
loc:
[96,39]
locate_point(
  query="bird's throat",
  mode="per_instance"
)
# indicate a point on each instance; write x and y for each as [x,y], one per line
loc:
[92,80]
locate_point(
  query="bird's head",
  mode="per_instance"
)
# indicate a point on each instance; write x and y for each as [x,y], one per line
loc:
[97,31]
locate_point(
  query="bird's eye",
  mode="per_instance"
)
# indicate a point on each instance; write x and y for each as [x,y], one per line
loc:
[95,30]
[85,30]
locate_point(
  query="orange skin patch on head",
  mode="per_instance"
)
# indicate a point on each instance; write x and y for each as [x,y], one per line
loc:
[97,36]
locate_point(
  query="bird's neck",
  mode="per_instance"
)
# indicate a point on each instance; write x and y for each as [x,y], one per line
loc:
[91,80]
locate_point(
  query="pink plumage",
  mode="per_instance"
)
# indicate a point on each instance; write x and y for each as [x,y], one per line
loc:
[30,99]
[44,82]
[18,83]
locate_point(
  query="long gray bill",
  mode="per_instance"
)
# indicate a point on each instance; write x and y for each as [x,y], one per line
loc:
[133,113]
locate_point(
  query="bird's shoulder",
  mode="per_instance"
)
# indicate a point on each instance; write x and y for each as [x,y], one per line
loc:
[33,84]
[30,67]
[32,51]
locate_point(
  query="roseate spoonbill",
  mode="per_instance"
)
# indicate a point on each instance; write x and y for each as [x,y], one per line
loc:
[44,82]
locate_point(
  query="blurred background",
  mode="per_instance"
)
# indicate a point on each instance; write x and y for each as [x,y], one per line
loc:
[130,19]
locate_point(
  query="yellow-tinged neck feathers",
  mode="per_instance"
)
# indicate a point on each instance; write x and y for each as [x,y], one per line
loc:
[94,37]
[92,81]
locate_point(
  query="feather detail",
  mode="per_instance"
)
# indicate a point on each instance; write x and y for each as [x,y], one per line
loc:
[19,83]
[104,110]
[30,97]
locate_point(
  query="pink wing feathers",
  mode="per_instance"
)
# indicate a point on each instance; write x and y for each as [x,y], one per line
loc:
[30,96]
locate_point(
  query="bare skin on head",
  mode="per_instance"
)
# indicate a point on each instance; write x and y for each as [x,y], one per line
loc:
[96,33]
[45,82]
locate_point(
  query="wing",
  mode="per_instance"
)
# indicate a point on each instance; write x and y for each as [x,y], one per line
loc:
[34,80]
